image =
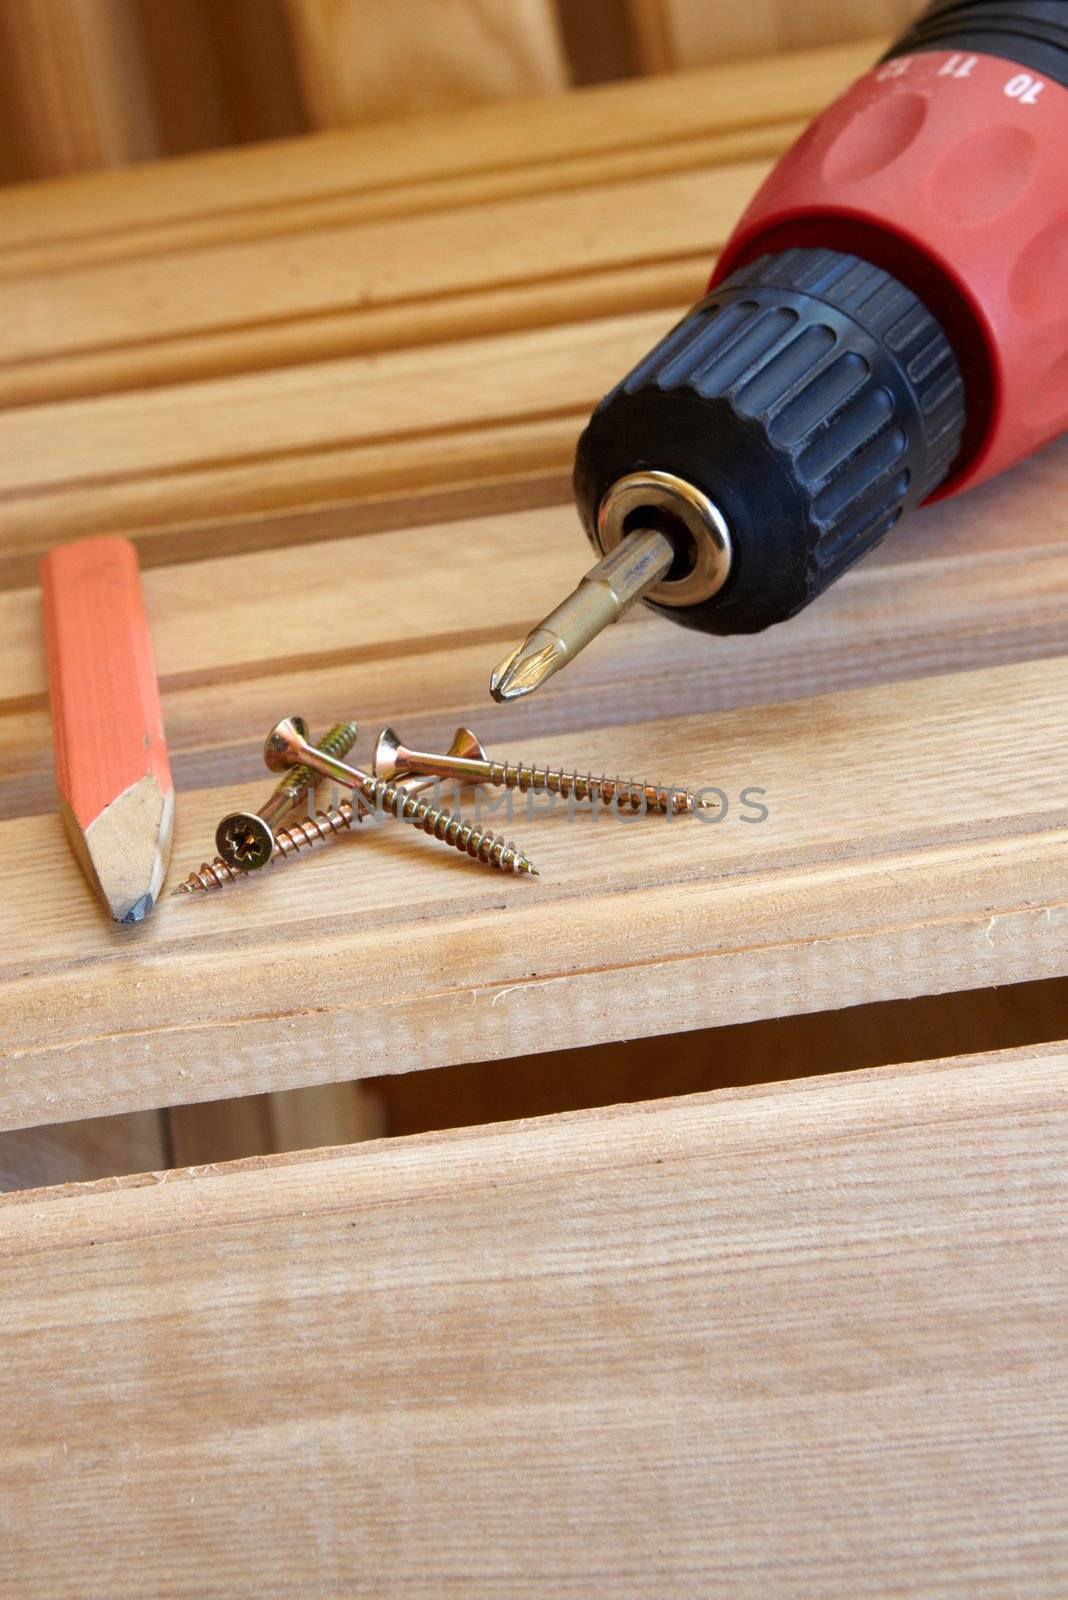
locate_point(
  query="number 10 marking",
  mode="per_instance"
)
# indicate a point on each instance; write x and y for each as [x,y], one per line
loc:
[1024,88]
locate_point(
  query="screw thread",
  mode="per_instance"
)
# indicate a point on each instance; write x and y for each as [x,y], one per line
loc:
[288,841]
[630,792]
[480,843]
[339,741]
[314,830]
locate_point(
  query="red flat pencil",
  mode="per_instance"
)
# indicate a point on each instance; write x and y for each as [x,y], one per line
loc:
[115,788]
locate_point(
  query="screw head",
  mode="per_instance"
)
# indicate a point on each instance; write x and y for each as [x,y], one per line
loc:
[282,748]
[467,744]
[244,841]
[385,764]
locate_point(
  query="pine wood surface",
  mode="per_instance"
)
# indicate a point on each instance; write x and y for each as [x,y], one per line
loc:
[359,60]
[364,535]
[76,75]
[209,196]
[668,34]
[795,1339]
[502,238]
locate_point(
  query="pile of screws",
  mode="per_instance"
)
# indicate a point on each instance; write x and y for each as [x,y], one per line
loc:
[246,840]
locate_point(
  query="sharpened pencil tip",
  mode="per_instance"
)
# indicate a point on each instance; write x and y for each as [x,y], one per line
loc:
[140,909]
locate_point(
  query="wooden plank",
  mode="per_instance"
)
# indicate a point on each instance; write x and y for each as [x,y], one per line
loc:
[211,198]
[915,844]
[320,491]
[468,439]
[203,467]
[669,34]
[597,40]
[613,230]
[365,426]
[358,60]
[237,53]
[923,603]
[461,272]
[770,1341]
[76,72]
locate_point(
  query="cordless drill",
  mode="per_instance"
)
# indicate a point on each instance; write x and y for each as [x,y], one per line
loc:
[887,326]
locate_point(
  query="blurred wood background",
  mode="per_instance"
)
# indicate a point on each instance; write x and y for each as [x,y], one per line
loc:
[86,84]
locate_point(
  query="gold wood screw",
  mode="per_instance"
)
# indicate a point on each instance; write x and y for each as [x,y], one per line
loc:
[469,762]
[245,839]
[287,745]
[464,743]
[287,842]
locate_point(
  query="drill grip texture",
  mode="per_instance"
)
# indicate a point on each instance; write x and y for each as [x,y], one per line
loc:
[813,398]
[946,166]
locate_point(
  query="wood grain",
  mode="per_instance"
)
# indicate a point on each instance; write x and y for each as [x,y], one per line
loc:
[221,72]
[915,843]
[76,72]
[147,282]
[609,230]
[923,603]
[211,198]
[358,60]
[365,427]
[595,250]
[361,535]
[669,34]
[778,1341]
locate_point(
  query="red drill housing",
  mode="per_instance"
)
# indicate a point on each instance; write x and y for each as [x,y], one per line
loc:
[949,169]
[887,325]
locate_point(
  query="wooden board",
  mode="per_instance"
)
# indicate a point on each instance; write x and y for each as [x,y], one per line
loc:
[480,279]
[790,1340]
[364,534]
[237,54]
[358,60]
[906,851]
[77,78]
[669,34]
[230,193]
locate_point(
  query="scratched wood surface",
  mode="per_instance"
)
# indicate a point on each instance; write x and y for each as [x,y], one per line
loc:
[357,521]
[792,1340]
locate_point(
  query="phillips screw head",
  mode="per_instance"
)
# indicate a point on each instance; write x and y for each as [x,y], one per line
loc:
[246,839]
